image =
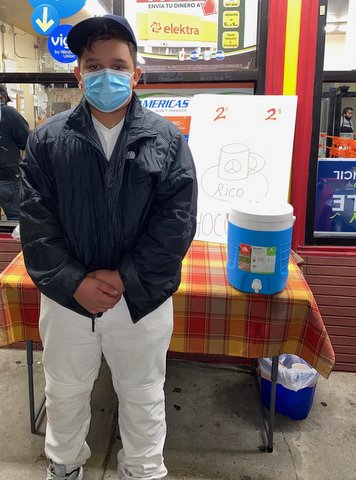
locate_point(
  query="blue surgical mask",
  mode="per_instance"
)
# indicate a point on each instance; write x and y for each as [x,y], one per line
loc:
[107,90]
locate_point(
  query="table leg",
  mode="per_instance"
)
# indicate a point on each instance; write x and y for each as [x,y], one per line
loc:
[268,418]
[272,405]
[31,393]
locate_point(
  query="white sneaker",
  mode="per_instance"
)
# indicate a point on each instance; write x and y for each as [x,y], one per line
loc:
[58,472]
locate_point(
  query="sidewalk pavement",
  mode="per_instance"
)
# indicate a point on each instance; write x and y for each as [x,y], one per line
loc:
[214,427]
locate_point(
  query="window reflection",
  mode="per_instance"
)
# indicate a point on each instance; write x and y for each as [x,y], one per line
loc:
[340,35]
[23,50]
[36,103]
[51,100]
[337,120]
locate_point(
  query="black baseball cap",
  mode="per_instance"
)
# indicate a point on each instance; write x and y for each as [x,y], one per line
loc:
[77,36]
[4,90]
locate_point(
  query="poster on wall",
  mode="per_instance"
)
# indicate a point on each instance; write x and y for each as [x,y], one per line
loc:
[173,102]
[172,107]
[335,208]
[201,36]
[242,147]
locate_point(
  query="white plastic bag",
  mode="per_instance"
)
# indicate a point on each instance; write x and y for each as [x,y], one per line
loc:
[290,373]
[16,233]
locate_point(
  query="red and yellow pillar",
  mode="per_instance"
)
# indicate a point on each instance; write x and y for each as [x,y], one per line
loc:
[290,70]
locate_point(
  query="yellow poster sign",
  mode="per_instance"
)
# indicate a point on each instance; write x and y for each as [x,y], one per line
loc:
[230,39]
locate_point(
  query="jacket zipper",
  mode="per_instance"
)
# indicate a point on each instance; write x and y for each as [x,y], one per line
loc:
[125,150]
[93,318]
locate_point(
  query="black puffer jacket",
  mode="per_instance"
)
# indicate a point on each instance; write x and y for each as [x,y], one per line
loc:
[135,213]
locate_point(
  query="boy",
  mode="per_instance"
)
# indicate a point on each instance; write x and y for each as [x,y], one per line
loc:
[108,213]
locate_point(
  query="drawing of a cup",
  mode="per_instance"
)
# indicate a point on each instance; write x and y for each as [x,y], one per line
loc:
[236,162]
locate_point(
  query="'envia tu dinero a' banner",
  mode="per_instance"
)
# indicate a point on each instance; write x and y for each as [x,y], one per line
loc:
[188,36]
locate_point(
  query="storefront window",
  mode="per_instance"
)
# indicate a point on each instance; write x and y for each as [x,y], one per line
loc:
[335,187]
[25,50]
[335,210]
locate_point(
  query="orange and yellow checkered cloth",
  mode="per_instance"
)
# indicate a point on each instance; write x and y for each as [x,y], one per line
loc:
[210,316]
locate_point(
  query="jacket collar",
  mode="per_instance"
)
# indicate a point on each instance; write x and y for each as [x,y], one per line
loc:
[135,120]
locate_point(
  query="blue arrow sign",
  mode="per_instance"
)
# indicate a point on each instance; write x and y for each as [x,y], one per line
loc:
[65,8]
[45,18]
[57,45]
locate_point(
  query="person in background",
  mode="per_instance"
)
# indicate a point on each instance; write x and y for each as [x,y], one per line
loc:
[108,213]
[346,125]
[14,131]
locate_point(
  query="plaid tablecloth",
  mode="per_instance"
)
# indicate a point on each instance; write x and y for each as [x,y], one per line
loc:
[210,316]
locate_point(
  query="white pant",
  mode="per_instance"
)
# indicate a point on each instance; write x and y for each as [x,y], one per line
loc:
[136,355]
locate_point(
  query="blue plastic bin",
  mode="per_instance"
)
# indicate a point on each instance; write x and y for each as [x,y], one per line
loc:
[295,405]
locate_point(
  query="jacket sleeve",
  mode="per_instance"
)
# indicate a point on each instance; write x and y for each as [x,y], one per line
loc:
[151,273]
[45,249]
[20,130]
